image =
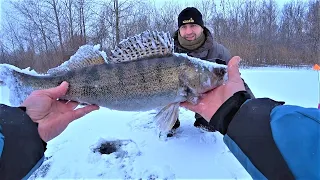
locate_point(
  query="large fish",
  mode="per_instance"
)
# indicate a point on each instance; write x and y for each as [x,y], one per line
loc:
[142,73]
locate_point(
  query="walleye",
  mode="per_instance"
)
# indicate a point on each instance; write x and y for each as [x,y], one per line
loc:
[142,73]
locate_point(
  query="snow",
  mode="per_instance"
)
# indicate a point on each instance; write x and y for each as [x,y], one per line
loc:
[25,71]
[18,91]
[191,154]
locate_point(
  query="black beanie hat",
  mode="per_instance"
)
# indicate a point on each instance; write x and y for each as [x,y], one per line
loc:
[190,15]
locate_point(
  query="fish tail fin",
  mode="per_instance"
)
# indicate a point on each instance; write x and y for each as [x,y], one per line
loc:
[166,118]
[11,78]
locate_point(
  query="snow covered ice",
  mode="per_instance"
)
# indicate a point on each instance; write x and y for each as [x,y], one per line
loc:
[139,153]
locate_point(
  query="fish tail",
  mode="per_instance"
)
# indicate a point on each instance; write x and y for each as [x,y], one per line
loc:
[11,78]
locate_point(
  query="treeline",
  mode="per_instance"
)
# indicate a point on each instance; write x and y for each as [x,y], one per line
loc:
[43,34]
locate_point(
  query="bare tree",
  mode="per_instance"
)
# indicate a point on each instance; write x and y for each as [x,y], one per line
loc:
[55,7]
[165,16]
[80,5]
[69,8]
[33,14]
[45,33]
[312,30]
[267,31]
[114,18]
[138,20]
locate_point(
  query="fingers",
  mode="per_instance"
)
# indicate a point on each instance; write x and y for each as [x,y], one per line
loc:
[233,69]
[58,91]
[71,105]
[76,114]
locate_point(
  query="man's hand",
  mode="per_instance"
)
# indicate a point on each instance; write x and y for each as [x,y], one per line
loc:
[212,100]
[52,115]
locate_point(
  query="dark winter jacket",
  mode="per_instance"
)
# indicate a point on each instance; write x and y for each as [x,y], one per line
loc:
[21,148]
[210,50]
[271,140]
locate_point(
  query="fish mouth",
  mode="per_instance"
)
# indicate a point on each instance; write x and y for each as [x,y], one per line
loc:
[220,72]
[219,76]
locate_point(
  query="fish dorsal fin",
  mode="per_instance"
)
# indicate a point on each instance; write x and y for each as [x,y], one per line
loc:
[144,45]
[86,55]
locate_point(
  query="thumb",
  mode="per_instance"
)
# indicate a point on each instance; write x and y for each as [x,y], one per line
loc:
[233,69]
[58,91]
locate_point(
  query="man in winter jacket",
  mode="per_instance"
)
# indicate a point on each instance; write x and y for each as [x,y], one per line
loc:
[195,39]
[271,140]
[25,130]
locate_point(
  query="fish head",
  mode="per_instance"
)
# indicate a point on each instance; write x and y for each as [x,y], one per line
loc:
[211,74]
[211,78]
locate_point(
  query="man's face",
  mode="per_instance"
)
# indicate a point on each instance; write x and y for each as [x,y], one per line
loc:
[190,32]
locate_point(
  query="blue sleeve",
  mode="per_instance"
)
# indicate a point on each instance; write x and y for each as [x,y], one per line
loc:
[249,138]
[296,132]
[1,141]
[262,139]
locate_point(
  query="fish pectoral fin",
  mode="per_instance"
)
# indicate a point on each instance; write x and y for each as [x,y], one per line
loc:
[167,117]
[191,95]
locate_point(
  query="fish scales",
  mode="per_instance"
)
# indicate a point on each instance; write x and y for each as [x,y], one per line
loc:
[129,86]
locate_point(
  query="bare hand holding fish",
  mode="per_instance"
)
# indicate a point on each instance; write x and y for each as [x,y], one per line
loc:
[51,115]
